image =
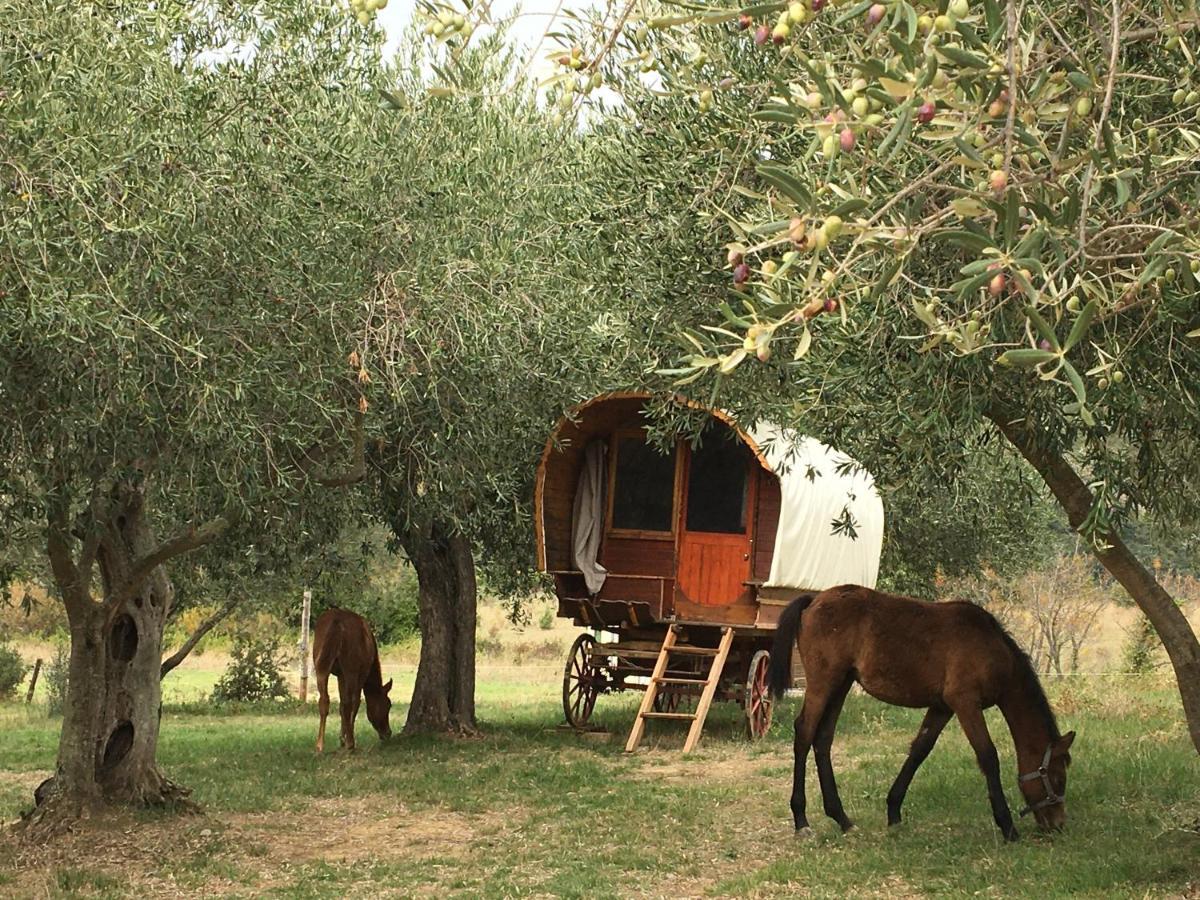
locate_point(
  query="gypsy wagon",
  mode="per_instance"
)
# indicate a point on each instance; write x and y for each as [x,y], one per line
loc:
[682,561]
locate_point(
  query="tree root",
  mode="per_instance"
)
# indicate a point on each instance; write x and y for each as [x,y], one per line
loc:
[57,811]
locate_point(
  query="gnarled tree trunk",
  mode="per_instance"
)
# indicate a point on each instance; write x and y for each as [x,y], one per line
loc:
[444,694]
[1167,618]
[107,749]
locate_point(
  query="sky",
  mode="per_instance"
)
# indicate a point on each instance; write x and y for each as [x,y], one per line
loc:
[527,30]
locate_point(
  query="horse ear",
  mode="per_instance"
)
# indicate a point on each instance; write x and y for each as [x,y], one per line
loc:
[1064,743]
[387,687]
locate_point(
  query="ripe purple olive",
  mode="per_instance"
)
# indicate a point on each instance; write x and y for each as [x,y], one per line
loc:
[875,14]
[926,111]
[846,138]
[744,22]
[741,273]
[997,285]
[831,305]
[1043,344]
[735,257]
[761,35]
[818,5]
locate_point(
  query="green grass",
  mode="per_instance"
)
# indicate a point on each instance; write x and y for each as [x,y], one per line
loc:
[528,810]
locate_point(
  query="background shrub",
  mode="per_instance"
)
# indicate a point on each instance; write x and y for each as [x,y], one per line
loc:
[12,670]
[1142,649]
[254,672]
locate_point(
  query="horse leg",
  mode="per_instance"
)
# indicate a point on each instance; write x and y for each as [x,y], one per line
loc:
[821,750]
[323,707]
[970,716]
[816,696]
[931,728]
[352,714]
[345,710]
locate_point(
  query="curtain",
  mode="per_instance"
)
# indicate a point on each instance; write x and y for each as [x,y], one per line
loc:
[587,523]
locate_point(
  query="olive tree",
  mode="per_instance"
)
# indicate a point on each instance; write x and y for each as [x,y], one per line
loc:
[957,221]
[185,245]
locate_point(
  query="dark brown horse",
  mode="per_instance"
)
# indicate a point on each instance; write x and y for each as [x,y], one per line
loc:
[953,659]
[344,646]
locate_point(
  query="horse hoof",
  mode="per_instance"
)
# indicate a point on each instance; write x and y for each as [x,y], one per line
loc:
[806,833]
[847,828]
[1012,836]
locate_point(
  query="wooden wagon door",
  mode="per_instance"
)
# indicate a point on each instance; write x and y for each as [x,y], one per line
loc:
[715,540]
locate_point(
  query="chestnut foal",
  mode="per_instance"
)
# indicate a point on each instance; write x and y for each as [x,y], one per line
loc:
[953,659]
[344,646]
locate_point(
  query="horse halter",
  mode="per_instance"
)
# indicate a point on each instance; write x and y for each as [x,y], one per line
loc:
[1042,772]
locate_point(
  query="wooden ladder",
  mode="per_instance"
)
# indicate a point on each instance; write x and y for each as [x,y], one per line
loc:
[646,711]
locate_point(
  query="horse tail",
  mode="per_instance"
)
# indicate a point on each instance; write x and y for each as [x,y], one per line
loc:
[779,675]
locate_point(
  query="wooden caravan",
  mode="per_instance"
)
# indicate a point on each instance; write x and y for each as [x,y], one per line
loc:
[686,558]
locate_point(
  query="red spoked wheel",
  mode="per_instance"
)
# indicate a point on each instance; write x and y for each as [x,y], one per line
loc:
[758,698]
[582,681]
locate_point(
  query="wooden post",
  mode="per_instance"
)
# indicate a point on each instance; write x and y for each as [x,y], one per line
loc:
[37,668]
[304,614]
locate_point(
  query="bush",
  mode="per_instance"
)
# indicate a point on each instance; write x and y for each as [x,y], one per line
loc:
[546,619]
[56,676]
[254,673]
[12,670]
[1140,651]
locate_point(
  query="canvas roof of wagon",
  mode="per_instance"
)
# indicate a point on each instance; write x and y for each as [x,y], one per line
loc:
[831,519]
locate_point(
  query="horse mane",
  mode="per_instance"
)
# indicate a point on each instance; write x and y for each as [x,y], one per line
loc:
[374,670]
[1030,684]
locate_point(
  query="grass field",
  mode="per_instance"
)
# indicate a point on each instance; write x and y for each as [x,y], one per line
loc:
[531,811]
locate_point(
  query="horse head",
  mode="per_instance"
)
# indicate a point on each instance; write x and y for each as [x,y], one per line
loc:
[379,704]
[1045,788]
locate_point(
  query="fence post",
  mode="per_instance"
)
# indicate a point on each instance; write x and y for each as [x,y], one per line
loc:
[304,614]
[33,681]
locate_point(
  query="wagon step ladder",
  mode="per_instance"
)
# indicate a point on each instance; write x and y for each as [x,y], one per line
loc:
[719,654]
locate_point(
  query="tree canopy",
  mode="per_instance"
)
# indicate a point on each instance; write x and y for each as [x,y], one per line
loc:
[951,221]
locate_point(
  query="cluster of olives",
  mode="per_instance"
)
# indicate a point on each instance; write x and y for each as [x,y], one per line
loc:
[364,10]
[446,24]
[796,13]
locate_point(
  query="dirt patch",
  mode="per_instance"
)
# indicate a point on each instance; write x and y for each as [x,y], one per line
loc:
[111,848]
[731,768]
[199,856]
[343,830]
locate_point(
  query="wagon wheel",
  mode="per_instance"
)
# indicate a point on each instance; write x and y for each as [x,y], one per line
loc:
[581,681]
[758,699]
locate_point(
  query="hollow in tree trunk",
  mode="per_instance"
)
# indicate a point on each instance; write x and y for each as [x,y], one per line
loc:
[1168,619]
[444,694]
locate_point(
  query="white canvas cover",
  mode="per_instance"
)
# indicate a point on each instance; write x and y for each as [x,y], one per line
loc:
[808,554]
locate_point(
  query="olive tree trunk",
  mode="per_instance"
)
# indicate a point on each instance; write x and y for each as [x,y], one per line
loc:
[443,697]
[109,741]
[1164,614]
